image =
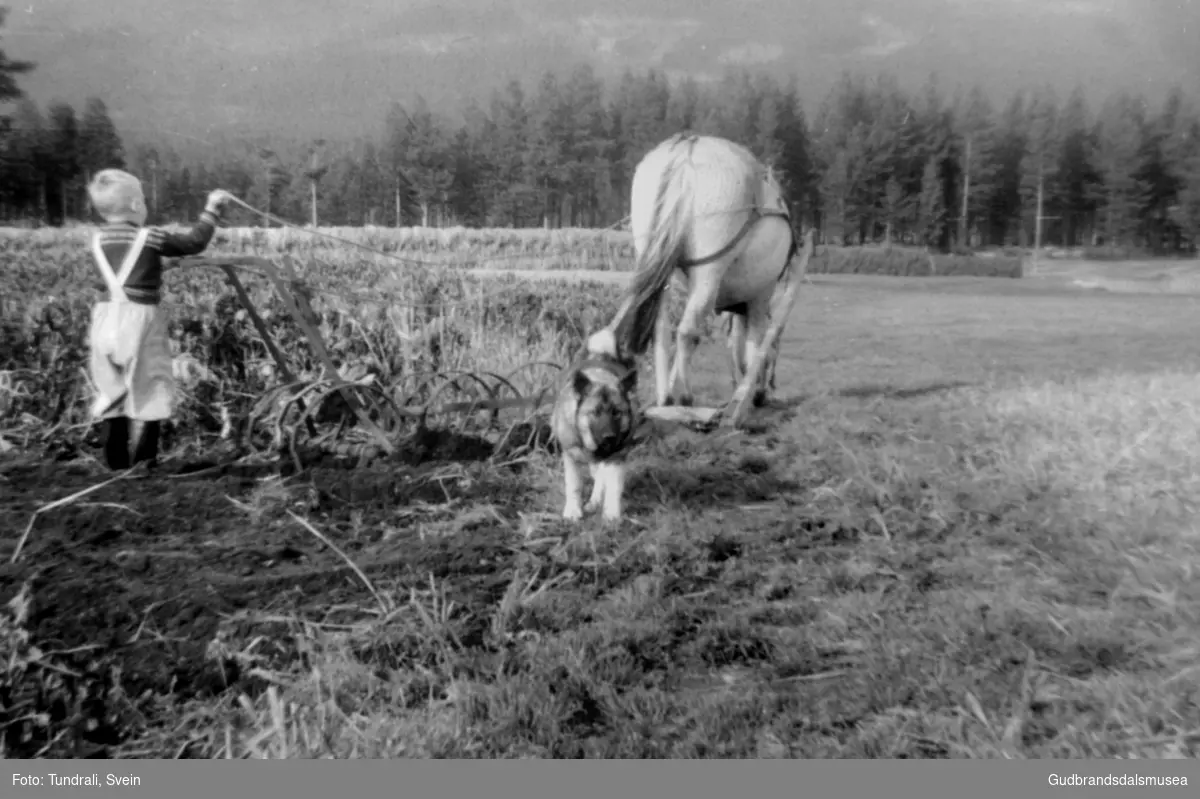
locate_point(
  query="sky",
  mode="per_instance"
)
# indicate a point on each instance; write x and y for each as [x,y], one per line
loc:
[332,67]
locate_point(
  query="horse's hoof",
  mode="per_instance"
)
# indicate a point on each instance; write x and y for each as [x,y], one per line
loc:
[667,403]
[686,401]
[760,399]
[727,417]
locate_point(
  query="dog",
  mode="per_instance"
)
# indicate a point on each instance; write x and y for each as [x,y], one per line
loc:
[594,418]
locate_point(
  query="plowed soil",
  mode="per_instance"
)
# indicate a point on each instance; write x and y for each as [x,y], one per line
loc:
[132,580]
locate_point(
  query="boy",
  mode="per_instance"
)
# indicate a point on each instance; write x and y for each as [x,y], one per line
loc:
[131,363]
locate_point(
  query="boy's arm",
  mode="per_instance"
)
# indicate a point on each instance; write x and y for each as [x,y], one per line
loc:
[194,240]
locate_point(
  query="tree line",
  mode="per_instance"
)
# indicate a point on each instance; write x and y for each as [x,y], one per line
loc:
[874,163]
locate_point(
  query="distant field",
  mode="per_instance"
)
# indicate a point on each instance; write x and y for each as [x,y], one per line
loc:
[966,529]
[534,248]
[1162,276]
[1155,276]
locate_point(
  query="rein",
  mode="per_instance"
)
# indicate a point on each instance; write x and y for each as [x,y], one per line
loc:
[755,215]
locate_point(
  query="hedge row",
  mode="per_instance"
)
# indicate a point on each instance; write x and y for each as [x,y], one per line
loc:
[907,262]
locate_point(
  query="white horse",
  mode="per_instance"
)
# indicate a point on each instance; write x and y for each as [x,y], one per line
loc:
[708,208]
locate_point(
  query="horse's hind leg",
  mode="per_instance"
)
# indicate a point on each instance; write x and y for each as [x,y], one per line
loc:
[735,329]
[758,315]
[772,362]
[662,356]
[704,284]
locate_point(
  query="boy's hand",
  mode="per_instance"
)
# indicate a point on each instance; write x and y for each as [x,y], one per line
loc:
[217,200]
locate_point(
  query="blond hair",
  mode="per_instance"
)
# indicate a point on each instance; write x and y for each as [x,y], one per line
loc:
[117,196]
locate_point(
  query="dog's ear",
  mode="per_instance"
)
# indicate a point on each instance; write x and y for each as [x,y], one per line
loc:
[581,383]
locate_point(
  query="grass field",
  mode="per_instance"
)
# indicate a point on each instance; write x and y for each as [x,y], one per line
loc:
[966,529]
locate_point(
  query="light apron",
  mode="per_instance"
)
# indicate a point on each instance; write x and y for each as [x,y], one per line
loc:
[130,352]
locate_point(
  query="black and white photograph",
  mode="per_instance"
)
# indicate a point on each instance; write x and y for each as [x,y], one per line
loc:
[656,380]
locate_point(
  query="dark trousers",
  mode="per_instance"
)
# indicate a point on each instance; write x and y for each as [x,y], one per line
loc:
[129,442]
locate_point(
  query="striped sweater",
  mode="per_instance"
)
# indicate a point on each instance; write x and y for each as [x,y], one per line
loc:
[144,285]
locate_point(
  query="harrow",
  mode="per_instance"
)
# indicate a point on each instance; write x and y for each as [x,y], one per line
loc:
[358,414]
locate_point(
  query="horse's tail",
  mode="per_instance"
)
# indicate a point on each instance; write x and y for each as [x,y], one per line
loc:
[633,325]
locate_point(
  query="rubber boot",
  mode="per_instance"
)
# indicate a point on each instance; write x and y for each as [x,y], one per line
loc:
[116,443]
[145,444]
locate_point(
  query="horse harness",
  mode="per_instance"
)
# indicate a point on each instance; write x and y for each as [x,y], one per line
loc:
[754,216]
[756,213]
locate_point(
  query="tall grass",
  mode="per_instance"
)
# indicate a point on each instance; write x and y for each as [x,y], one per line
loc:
[392,323]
